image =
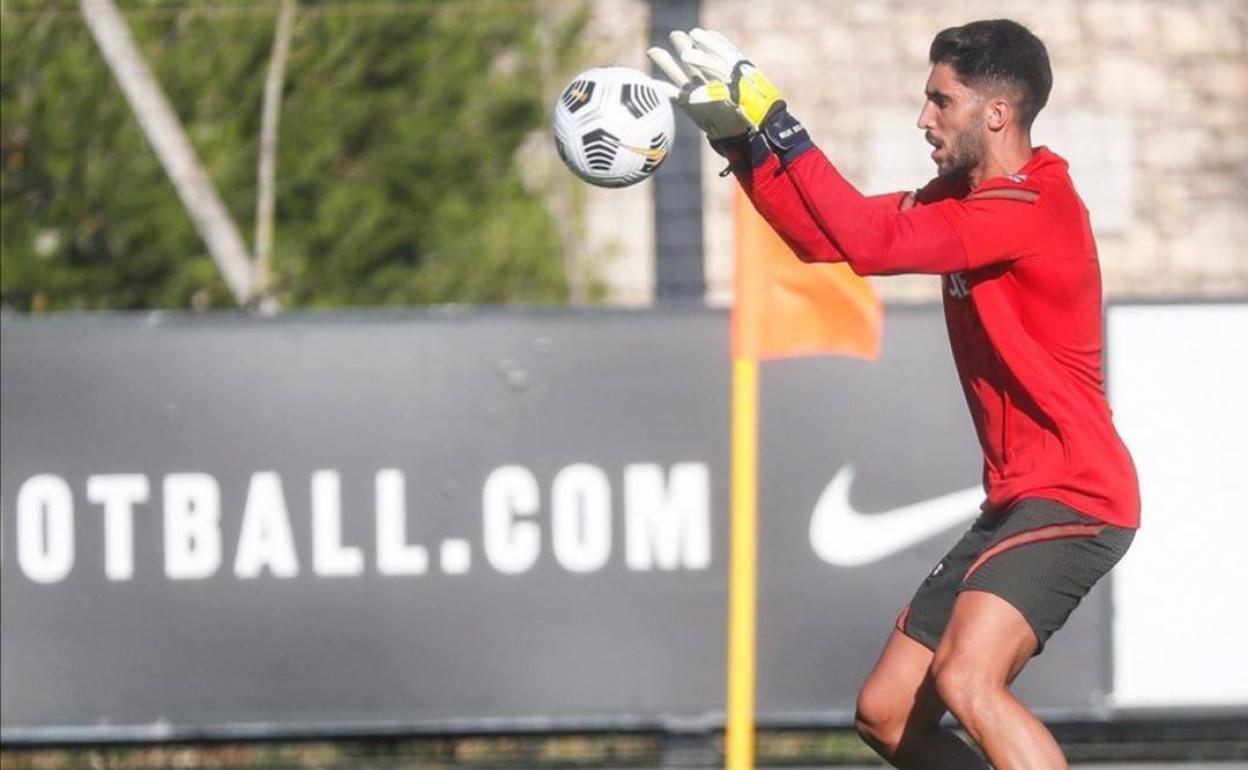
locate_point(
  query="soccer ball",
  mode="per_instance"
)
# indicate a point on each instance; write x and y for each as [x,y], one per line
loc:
[612,127]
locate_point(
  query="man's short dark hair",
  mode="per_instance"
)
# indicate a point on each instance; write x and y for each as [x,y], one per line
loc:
[1003,52]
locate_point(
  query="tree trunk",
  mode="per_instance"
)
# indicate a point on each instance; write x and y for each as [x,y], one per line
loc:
[164,132]
[267,173]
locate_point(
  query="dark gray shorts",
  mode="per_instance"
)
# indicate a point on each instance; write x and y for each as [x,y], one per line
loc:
[1040,556]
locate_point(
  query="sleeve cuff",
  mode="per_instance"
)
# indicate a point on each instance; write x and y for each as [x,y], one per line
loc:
[785,134]
[748,151]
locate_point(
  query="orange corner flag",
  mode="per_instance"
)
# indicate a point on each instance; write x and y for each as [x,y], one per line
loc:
[783,307]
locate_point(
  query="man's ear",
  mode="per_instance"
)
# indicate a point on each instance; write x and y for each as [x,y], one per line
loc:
[998,112]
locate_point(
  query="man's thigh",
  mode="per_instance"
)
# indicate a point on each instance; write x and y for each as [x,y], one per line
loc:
[989,632]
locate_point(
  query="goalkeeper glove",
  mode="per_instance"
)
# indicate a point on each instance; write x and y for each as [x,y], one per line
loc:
[706,100]
[755,97]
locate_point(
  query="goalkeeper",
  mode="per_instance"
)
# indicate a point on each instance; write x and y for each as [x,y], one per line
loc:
[1003,226]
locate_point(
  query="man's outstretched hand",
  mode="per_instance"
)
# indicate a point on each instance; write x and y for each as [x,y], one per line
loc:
[726,94]
[755,97]
[701,94]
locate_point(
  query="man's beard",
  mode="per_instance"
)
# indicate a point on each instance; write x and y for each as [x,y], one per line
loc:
[964,154]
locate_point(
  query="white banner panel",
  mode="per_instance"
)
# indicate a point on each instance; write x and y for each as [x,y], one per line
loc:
[1178,378]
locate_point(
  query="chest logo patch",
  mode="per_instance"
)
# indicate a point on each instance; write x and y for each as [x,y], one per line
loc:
[956,283]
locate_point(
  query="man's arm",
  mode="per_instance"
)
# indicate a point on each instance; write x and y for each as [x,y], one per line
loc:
[992,224]
[946,236]
[872,239]
[776,199]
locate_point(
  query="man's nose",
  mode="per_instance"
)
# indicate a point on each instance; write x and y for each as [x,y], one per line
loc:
[924,123]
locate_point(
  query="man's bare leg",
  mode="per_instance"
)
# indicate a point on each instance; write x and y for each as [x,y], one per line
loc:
[899,712]
[985,645]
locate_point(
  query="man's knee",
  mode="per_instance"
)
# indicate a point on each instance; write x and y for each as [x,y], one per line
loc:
[963,683]
[880,715]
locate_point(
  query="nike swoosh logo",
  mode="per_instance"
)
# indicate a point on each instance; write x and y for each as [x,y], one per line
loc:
[646,152]
[844,537]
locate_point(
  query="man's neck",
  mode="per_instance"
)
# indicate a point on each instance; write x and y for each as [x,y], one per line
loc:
[1006,158]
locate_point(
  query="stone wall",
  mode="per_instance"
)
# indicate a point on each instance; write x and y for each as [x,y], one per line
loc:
[1150,105]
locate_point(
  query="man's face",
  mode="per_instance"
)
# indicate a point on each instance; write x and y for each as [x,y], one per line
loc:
[952,122]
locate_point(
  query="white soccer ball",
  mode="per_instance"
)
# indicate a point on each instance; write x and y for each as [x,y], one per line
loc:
[612,127]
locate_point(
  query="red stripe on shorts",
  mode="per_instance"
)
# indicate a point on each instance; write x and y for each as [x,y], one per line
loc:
[1038,535]
[902,618]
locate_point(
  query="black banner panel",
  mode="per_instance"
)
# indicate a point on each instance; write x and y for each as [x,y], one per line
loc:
[462,520]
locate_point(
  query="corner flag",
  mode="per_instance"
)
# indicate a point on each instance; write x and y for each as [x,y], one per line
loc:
[781,308]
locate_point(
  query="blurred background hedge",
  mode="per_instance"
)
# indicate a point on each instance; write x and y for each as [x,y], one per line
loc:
[398,177]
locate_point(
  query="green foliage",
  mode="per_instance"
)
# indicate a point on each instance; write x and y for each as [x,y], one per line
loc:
[397,179]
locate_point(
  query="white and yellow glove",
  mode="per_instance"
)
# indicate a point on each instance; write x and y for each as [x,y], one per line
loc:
[705,99]
[751,92]
[755,98]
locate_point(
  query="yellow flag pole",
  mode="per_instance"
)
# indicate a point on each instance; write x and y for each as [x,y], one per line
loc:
[742,566]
